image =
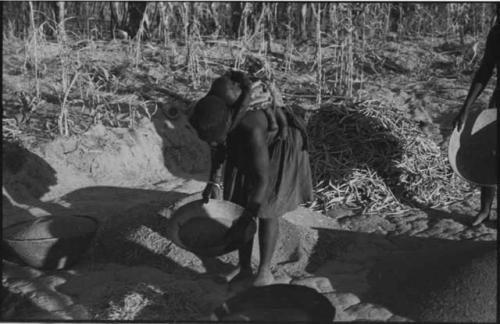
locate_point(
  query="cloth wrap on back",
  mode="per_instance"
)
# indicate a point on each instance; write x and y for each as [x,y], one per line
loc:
[290,181]
[265,95]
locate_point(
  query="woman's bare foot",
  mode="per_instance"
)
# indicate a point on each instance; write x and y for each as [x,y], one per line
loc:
[481,217]
[241,275]
[263,278]
[235,275]
[241,281]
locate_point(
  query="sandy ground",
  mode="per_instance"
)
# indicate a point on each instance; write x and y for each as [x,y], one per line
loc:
[132,271]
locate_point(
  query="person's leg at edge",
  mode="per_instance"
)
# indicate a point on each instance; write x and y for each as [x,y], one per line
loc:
[244,269]
[487,197]
[487,193]
[268,237]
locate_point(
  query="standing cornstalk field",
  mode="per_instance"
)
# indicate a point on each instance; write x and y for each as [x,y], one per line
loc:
[351,31]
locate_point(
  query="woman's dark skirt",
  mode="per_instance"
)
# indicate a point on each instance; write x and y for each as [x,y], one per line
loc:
[290,176]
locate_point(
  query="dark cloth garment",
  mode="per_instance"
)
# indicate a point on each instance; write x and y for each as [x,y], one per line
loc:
[495,99]
[290,173]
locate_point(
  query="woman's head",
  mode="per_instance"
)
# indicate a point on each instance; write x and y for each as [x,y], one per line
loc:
[211,119]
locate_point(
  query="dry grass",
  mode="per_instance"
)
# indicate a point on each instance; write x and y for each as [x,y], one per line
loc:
[134,301]
[151,302]
[369,156]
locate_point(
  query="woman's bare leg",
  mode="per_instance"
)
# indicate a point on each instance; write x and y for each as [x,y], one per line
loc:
[244,269]
[487,197]
[268,237]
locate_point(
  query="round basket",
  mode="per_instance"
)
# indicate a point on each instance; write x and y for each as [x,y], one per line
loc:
[50,242]
[472,150]
[277,303]
[172,113]
[200,228]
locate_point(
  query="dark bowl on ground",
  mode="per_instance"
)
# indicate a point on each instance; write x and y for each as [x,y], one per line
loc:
[201,228]
[277,303]
[50,242]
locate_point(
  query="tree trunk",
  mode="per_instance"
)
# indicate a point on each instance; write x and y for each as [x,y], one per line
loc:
[282,9]
[119,16]
[35,52]
[235,18]
[61,29]
[215,14]
[136,11]
[303,25]
[164,20]
[53,15]
[114,18]
[319,66]
[394,17]
[54,11]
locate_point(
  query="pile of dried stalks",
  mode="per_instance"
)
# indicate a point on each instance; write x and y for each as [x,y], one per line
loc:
[147,301]
[368,156]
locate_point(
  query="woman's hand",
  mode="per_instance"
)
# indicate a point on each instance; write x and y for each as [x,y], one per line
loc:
[170,208]
[459,120]
[212,191]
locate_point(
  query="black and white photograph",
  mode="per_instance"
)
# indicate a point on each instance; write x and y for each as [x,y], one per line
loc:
[227,161]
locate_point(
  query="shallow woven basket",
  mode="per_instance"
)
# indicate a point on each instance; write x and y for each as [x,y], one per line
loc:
[50,242]
[200,228]
[277,303]
[472,150]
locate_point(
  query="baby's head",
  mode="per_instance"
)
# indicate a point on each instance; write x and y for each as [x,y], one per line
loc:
[226,89]
[211,118]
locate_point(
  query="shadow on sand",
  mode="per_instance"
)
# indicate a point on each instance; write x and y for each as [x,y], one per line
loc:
[130,231]
[424,279]
[185,155]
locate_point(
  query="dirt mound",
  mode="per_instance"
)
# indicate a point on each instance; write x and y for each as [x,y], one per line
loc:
[104,156]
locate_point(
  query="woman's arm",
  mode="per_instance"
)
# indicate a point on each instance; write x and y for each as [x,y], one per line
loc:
[282,123]
[258,163]
[241,105]
[213,189]
[480,80]
[253,138]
